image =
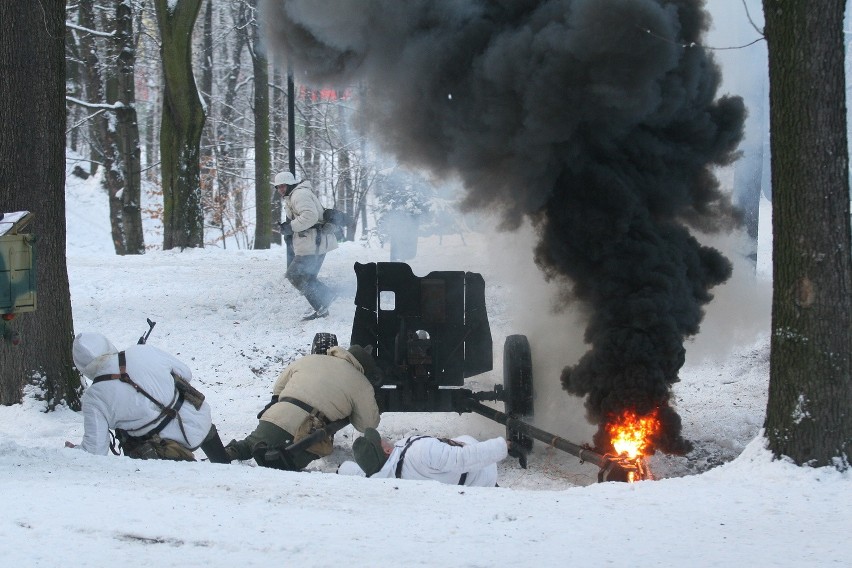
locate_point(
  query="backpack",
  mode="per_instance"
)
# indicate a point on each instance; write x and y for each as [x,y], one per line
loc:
[333,221]
[335,217]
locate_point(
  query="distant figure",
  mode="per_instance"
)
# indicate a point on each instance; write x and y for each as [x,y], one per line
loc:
[309,394]
[402,230]
[142,393]
[458,461]
[310,241]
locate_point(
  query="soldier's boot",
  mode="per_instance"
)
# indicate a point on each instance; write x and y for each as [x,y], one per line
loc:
[213,448]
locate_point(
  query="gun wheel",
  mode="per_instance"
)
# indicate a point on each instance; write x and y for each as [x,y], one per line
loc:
[323,342]
[518,385]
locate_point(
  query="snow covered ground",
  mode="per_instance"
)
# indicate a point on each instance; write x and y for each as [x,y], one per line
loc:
[233,318]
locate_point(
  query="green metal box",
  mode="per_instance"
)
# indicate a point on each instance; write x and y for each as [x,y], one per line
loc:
[17,265]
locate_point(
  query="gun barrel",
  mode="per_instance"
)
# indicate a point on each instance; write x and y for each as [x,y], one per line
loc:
[610,469]
[144,338]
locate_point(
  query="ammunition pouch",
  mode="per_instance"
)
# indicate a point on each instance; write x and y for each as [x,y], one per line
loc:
[152,447]
[190,394]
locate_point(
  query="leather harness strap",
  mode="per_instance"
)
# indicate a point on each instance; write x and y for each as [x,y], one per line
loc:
[167,412]
[306,407]
[410,441]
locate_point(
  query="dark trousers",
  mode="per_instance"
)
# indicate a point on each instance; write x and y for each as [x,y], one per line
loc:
[271,436]
[302,274]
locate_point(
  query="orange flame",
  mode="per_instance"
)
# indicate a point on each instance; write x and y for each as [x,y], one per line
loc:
[630,434]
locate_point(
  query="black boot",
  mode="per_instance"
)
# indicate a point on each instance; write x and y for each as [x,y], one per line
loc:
[213,448]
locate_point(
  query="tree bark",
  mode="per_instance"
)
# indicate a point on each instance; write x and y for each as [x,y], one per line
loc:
[808,415]
[262,187]
[93,82]
[182,124]
[278,149]
[124,189]
[32,178]
[212,206]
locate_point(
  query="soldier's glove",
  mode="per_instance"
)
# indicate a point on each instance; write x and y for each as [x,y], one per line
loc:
[265,408]
[519,453]
[286,229]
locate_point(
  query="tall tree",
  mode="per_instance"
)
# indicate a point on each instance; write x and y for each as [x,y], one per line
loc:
[808,415]
[278,149]
[123,179]
[32,178]
[262,164]
[94,86]
[182,124]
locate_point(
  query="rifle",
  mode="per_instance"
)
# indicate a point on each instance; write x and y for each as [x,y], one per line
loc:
[279,458]
[145,335]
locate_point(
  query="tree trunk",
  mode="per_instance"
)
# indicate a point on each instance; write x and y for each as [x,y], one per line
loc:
[183,121]
[262,187]
[74,79]
[210,204]
[278,149]
[808,414]
[310,158]
[346,199]
[32,178]
[94,83]
[125,191]
[152,148]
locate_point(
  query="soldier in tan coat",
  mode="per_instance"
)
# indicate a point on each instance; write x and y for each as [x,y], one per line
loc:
[311,239]
[309,394]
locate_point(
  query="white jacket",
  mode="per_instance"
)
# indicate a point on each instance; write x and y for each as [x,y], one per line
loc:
[112,404]
[430,458]
[304,210]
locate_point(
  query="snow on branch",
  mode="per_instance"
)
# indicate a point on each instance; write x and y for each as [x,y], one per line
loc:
[103,106]
[74,26]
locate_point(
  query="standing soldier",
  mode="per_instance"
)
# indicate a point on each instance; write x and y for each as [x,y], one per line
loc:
[310,241]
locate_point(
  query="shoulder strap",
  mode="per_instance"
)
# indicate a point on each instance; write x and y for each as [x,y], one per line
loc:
[410,441]
[402,454]
[167,413]
[125,378]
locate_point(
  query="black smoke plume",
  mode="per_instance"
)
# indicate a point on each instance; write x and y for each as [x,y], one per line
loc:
[598,120]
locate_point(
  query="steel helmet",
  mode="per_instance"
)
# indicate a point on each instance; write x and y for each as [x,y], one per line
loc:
[322,343]
[285,178]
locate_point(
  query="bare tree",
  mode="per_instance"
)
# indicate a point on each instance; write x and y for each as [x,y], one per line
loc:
[808,415]
[262,164]
[124,180]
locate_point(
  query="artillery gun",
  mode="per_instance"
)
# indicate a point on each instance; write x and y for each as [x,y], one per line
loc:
[431,333]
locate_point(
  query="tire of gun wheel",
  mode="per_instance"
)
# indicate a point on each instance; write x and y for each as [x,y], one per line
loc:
[328,340]
[518,385]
